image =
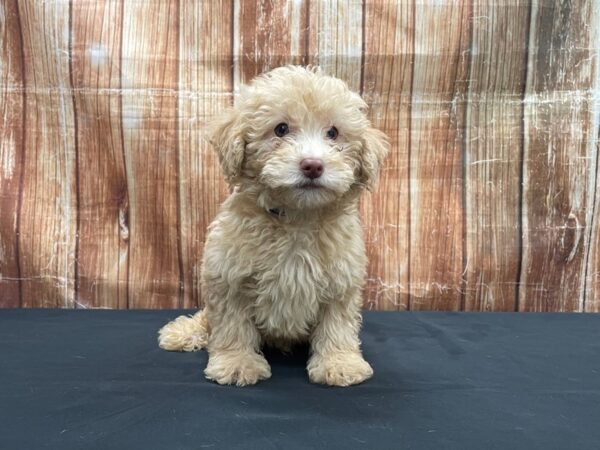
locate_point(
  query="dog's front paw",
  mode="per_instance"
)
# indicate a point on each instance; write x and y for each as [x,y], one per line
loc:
[241,368]
[339,369]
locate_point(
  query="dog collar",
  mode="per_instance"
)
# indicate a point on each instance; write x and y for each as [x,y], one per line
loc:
[277,212]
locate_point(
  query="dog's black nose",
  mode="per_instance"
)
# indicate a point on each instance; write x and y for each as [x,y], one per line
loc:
[312,168]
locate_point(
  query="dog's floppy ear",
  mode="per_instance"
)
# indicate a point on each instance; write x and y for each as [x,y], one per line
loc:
[226,135]
[375,149]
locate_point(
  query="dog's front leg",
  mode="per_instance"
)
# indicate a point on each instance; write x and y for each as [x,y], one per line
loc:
[233,348]
[336,358]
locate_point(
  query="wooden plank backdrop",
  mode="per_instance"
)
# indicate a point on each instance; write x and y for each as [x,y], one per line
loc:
[490,199]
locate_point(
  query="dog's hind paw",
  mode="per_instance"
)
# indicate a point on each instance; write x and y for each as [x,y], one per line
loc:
[184,334]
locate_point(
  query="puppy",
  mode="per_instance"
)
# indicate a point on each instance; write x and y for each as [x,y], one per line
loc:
[284,260]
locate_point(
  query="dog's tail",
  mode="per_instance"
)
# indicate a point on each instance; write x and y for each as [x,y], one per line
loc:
[185,333]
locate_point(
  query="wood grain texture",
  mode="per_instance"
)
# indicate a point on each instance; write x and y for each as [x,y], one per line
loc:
[103,244]
[48,214]
[493,144]
[558,157]
[205,89]
[386,86]
[436,159]
[489,201]
[11,150]
[149,79]
[592,291]
[268,34]
[335,39]
[592,270]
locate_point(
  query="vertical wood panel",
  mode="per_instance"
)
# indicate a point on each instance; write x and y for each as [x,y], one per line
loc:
[436,164]
[387,80]
[11,150]
[592,281]
[48,215]
[149,77]
[558,157]
[493,145]
[592,294]
[335,39]
[102,190]
[268,34]
[205,89]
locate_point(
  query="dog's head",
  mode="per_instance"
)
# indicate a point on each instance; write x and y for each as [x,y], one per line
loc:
[299,138]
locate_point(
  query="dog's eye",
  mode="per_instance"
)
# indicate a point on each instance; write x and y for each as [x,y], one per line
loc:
[282,129]
[332,133]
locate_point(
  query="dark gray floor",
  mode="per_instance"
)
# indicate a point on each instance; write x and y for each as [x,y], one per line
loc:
[96,379]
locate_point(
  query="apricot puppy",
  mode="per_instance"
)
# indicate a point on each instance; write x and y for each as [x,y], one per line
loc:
[285,260]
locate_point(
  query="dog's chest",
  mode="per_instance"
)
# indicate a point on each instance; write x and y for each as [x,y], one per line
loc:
[293,277]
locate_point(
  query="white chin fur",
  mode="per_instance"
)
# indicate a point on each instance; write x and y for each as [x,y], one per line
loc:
[313,197]
[297,198]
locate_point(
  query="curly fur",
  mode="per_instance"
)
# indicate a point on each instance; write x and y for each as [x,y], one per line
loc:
[285,262]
